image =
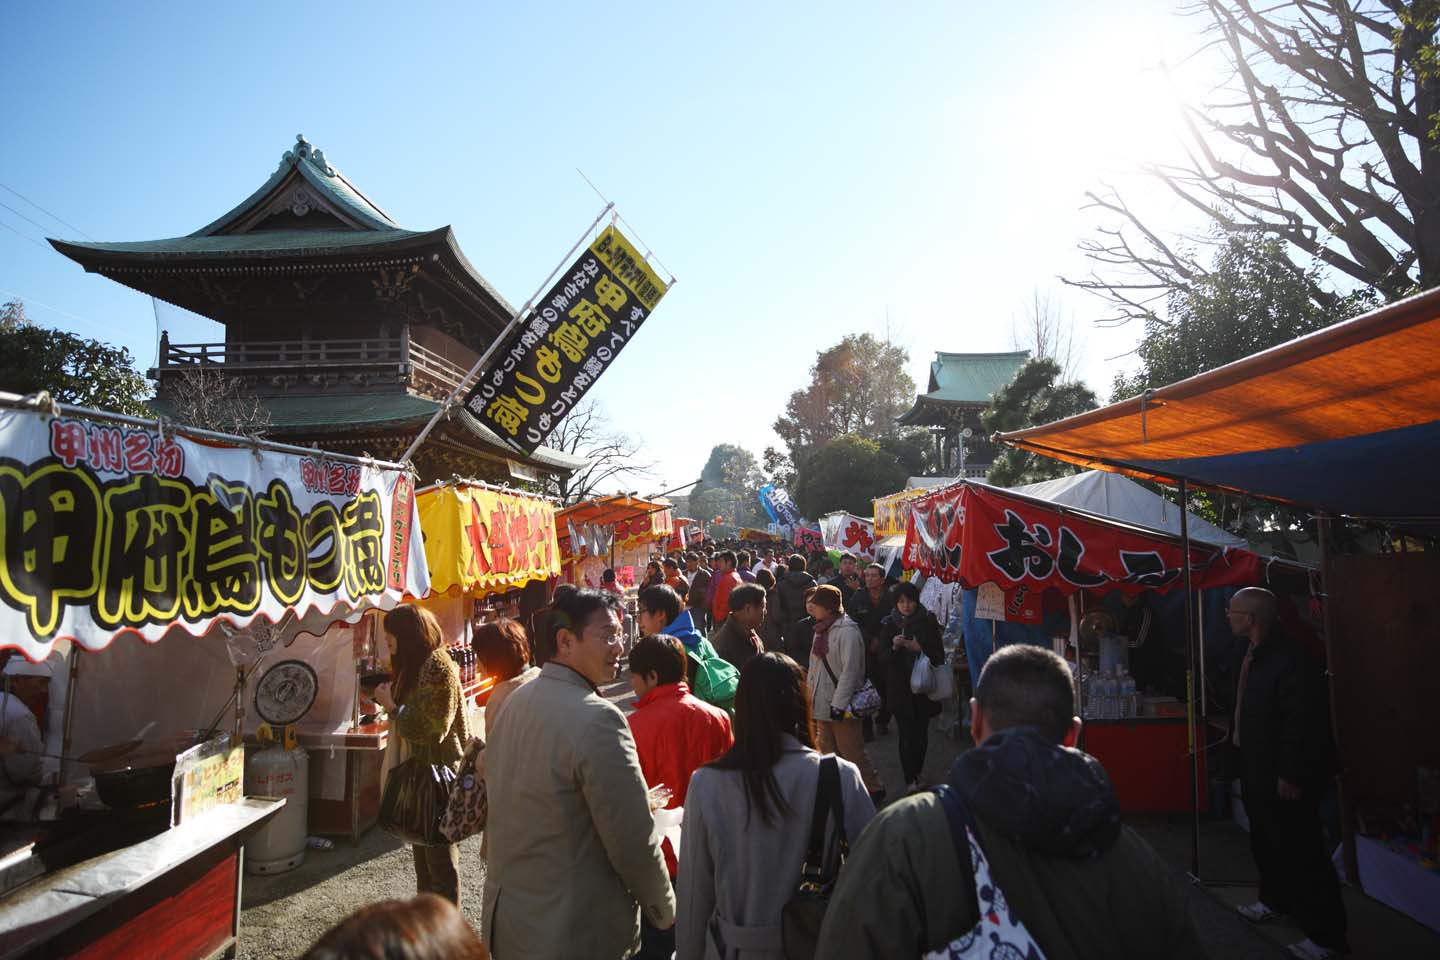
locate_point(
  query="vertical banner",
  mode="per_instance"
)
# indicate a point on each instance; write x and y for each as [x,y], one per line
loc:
[575,332]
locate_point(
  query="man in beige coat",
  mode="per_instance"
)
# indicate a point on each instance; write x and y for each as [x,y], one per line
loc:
[573,847]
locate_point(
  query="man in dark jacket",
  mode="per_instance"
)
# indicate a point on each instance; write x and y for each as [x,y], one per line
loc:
[790,589]
[1282,728]
[1081,883]
[698,597]
[736,640]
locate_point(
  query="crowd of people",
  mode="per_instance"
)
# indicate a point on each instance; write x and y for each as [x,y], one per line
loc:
[748,677]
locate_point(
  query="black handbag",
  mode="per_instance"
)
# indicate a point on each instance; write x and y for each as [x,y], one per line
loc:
[804,912]
[415,799]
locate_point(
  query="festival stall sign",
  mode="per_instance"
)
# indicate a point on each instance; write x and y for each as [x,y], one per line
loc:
[594,527]
[752,535]
[109,525]
[646,528]
[975,534]
[849,534]
[809,539]
[573,335]
[481,539]
[892,513]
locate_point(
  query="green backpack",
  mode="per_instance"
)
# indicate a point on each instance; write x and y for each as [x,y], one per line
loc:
[712,677]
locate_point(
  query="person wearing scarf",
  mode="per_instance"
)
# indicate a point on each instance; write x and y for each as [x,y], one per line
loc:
[837,669]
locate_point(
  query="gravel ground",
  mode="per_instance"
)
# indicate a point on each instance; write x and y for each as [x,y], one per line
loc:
[284,914]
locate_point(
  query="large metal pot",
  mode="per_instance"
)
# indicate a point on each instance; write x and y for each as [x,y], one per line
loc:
[132,774]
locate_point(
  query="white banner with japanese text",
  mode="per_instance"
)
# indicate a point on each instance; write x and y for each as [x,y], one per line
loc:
[107,528]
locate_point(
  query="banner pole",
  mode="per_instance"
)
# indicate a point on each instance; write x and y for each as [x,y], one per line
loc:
[502,338]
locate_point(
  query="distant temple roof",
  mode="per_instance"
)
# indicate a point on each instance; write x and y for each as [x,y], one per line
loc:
[307,218]
[960,382]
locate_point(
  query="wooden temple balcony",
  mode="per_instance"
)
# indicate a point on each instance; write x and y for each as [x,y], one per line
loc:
[398,360]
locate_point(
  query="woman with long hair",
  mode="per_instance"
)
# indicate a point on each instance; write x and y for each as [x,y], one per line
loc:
[426,711]
[747,819]
[907,633]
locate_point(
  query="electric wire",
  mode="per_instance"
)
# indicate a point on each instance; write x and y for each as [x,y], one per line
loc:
[47,212]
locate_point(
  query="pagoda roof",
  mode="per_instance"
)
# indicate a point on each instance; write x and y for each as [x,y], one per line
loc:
[961,380]
[306,218]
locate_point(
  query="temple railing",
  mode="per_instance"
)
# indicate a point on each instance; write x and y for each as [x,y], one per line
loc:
[402,356]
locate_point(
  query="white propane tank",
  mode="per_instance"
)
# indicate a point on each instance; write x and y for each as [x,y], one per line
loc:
[274,771]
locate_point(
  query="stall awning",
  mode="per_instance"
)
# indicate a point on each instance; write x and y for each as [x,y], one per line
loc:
[109,524]
[973,534]
[481,539]
[622,517]
[1345,420]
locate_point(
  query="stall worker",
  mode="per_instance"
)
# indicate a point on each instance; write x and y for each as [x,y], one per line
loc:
[21,743]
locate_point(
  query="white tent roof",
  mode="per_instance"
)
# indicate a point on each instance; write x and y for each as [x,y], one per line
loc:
[1119,497]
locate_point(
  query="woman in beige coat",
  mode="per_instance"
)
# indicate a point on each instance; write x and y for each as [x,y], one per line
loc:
[837,670]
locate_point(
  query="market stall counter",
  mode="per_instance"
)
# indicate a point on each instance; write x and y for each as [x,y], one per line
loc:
[175,895]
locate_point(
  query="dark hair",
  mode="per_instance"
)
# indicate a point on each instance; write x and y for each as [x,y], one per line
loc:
[905,589]
[661,598]
[764,578]
[772,700]
[848,556]
[574,611]
[829,597]
[607,576]
[796,563]
[424,928]
[876,567]
[662,655]
[744,557]
[652,563]
[728,556]
[827,565]
[672,562]
[1024,685]
[503,647]
[746,595]
[417,635]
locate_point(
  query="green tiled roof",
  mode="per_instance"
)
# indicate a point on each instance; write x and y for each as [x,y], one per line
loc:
[262,243]
[973,377]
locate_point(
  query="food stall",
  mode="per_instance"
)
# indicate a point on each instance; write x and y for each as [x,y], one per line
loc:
[1344,422]
[128,546]
[846,533]
[892,515]
[1067,577]
[613,531]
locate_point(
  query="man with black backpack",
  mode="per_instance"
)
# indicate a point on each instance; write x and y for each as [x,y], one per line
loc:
[711,677]
[1022,848]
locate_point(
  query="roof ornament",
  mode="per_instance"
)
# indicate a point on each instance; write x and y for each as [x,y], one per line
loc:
[304,151]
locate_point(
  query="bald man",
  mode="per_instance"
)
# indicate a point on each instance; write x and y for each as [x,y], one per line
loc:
[1281,726]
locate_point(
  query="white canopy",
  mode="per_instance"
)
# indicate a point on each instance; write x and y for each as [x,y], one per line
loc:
[1119,497]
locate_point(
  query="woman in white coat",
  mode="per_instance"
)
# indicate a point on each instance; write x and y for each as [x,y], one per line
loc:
[837,670]
[747,820]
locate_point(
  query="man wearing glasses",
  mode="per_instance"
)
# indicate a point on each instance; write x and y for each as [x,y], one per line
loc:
[1281,727]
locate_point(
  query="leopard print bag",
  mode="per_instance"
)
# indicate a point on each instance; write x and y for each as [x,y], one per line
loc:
[469,805]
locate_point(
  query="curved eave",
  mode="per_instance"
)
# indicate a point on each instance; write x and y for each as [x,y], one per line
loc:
[236,250]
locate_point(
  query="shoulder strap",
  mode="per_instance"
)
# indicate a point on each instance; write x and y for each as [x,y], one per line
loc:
[827,802]
[960,819]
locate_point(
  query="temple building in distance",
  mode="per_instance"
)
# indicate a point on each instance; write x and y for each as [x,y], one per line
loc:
[348,328]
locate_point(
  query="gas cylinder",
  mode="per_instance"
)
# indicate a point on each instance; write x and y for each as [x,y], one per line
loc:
[274,771]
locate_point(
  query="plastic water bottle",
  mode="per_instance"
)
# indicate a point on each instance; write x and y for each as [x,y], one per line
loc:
[1102,695]
[1127,695]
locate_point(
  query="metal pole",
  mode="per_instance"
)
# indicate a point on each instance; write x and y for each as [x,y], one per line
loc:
[499,341]
[1327,620]
[1190,682]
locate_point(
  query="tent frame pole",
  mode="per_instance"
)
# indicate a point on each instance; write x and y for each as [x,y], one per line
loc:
[1190,717]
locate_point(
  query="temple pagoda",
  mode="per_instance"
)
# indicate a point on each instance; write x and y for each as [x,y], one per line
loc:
[348,328]
[960,388]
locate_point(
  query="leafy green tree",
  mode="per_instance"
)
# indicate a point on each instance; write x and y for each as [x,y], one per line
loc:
[846,474]
[1251,299]
[913,449]
[729,487]
[1037,395]
[856,387]
[75,370]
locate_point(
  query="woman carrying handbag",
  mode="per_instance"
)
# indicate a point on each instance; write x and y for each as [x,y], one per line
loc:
[426,711]
[838,686]
[908,633]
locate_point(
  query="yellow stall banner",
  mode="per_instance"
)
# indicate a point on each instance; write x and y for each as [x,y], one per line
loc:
[481,539]
[892,513]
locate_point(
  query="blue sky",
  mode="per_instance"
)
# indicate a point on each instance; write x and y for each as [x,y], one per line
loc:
[804,170]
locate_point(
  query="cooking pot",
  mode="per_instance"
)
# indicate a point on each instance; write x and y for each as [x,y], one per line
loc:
[134,775]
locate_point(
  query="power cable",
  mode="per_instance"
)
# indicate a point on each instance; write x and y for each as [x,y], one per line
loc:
[22,235]
[22,216]
[47,213]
